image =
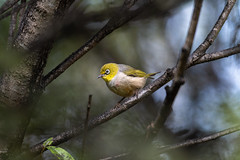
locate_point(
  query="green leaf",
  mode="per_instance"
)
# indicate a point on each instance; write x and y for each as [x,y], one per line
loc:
[48,142]
[60,153]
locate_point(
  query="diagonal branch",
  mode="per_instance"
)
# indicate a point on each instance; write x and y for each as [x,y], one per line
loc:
[120,18]
[21,11]
[8,4]
[214,32]
[16,9]
[168,148]
[189,40]
[214,56]
[12,27]
[171,92]
[208,138]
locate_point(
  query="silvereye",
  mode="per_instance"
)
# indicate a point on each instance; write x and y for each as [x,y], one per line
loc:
[122,79]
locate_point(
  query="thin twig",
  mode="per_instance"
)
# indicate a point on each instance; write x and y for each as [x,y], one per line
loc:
[21,12]
[199,52]
[6,5]
[115,157]
[171,92]
[168,148]
[8,13]
[86,125]
[12,27]
[214,56]
[119,18]
[18,8]
[190,142]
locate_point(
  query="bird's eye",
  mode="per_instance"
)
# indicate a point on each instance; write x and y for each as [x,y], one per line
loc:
[107,71]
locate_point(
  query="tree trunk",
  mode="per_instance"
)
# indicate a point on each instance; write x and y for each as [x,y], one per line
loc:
[20,85]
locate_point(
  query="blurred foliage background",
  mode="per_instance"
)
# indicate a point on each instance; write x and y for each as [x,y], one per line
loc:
[208,101]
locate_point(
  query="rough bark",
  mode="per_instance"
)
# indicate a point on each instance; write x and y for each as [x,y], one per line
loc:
[21,84]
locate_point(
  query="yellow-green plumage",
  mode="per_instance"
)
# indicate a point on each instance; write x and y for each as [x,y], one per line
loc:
[122,79]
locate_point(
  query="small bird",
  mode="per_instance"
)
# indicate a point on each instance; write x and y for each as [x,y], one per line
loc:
[122,79]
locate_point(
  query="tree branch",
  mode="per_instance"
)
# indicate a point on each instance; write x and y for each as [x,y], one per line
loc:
[21,11]
[189,40]
[8,13]
[168,148]
[116,156]
[8,4]
[199,52]
[182,63]
[12,26]
[190,142]
[171,92]
[119,18]
[86,125]
[207,57]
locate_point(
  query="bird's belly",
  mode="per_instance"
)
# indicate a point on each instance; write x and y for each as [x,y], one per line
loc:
[127,86]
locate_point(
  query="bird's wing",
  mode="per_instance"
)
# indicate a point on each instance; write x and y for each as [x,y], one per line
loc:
[130,71]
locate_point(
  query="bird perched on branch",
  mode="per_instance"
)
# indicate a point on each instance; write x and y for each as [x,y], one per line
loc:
[122,79]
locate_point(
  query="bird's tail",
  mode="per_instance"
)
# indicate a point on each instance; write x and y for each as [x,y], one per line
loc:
[152,74]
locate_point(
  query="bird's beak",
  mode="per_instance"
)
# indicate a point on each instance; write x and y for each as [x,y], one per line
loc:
[100,76]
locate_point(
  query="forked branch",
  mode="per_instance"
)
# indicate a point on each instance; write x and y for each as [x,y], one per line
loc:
[199,52]
[171,92]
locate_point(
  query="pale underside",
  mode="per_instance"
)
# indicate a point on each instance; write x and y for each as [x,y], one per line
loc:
[126,86]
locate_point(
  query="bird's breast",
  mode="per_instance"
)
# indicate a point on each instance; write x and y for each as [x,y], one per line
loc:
[126,86]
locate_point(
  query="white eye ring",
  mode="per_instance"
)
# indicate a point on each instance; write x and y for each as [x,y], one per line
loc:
[107,71]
